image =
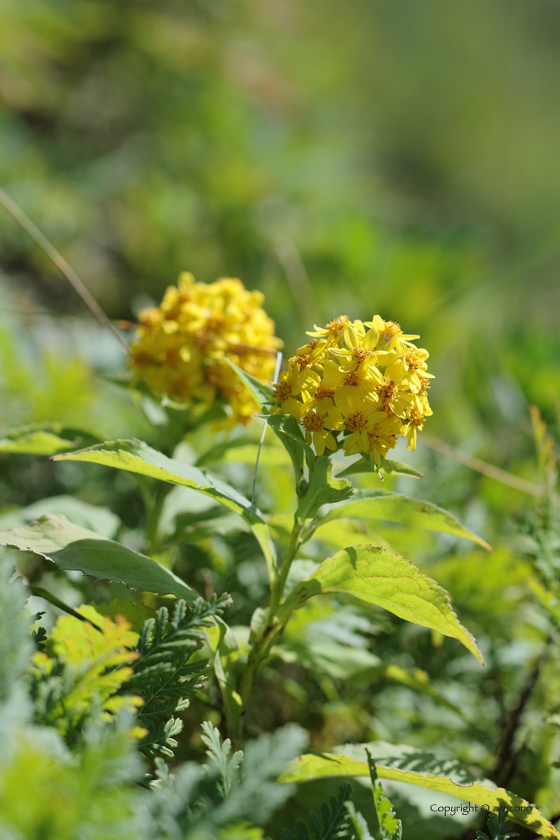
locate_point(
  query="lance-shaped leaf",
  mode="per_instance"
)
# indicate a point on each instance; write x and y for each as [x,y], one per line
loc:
[73,548]
[375,504]
[137,457]
[284,426]
[261,393]
[390,581]
[44,439]
[310,767]
[389,467]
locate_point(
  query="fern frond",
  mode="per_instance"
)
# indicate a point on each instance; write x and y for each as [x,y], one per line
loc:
[219,755]
[499,827]
[164,676]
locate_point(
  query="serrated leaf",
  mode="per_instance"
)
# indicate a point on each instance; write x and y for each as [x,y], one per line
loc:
[44,439]
[390,581]
[73,548]
[312,767]
[137,457]
[389,825]
[394,507]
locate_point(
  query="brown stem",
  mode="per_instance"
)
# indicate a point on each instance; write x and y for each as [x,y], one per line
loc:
[506,760]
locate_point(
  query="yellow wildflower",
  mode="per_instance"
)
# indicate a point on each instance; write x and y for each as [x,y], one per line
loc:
[358,386]
[180,348]
[336,376]
[315,425]
[407,365]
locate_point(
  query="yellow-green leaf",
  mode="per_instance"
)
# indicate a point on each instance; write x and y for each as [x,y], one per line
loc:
[44,439]
[390,581]
[137,457]
[311,767]
[367,504]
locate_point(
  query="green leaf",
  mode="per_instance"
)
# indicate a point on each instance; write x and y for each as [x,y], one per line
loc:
[217,452]
[44,439]
[73,548]
[288,431]
[389,581]
[365,465]
[375,504]
[359,824]
[269,456]
[261,393]
[399,468]
[336,820]
[389,825]
[322,489]
[137,457]
[98,519]
[311,767]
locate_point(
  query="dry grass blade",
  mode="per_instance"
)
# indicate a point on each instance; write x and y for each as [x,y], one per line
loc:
[65,269]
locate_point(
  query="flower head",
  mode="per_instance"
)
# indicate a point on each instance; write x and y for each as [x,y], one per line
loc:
[180,348]
[357,386]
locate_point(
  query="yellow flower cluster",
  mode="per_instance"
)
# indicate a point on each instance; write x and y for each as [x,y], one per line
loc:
[367,381]
[180,347]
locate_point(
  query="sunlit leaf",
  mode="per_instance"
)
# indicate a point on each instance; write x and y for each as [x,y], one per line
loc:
[390,581]
[389,825]
[375,504]
[311,767]
[44,439]
[137,457]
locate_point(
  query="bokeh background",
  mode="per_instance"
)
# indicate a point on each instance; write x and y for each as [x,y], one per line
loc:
[345,158]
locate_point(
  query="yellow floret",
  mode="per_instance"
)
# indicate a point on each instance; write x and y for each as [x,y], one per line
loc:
[180,348]
[358,386]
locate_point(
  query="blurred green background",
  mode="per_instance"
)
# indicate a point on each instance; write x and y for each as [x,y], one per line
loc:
[345,158]
[398,158]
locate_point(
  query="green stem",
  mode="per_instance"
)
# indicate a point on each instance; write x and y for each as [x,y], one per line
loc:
[39,592]
[154,514]
[273,625]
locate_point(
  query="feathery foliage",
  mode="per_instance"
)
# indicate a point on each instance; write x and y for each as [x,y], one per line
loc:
[499,827]
[389,825]
[337,820]
[163,674]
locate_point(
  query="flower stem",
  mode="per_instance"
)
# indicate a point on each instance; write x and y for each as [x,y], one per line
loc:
[273,624]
